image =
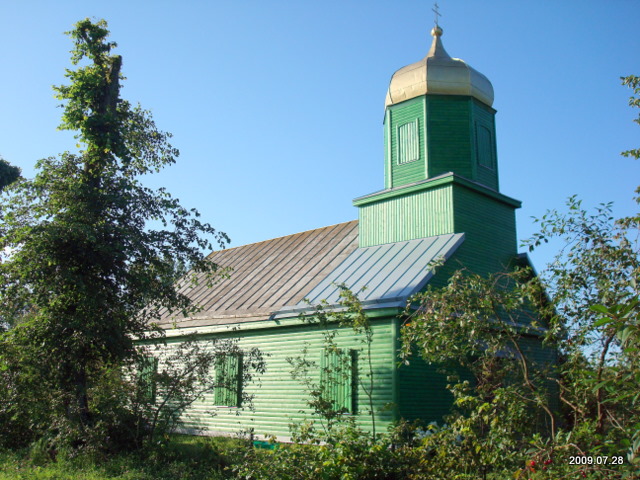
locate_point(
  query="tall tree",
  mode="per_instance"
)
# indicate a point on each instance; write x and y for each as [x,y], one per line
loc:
[8,173]
[88,269]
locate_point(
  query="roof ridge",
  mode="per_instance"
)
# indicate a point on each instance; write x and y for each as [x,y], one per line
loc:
[281,236]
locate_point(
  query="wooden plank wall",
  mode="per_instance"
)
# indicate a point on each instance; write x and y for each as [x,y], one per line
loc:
[280,400]
[418,215]
[403,174]
[449,135]
[490,231]
[485,118]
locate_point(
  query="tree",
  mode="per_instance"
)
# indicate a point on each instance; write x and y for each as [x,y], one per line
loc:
[599,266]
[486,334]
[595,284]
[93,252]
[8,173]
[633,82]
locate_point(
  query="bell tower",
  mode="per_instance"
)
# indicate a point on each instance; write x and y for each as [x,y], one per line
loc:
[440,163]
[438,119]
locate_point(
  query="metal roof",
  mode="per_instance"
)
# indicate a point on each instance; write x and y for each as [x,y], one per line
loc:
[268,275]
[274,278]
[391,272]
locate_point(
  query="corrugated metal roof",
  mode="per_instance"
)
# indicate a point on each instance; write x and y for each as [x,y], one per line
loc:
[391,273]
[269,275]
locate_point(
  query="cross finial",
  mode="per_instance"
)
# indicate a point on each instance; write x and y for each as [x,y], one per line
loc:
[436,10]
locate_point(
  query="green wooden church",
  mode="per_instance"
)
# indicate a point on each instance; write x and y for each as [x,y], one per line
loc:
[441,200]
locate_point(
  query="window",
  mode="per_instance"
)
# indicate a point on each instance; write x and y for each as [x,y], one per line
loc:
[484,147]
[147,370]
[338,371]
[408,142]
[228,389]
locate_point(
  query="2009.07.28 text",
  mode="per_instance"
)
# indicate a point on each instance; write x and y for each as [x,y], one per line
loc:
[597,460]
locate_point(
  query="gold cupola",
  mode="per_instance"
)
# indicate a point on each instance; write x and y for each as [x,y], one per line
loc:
[438,74]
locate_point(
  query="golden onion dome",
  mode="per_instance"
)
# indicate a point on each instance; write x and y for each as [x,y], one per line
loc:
[438,74]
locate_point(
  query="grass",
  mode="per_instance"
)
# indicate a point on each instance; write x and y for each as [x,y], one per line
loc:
[184,458]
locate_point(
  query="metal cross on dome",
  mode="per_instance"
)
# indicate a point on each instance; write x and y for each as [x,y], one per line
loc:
[436,10]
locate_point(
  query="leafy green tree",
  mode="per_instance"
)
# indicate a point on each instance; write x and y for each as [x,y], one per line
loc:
[486,334]
[600,265]
[505,331]
[8,173]
[595,286]
[633,82]
[90,253]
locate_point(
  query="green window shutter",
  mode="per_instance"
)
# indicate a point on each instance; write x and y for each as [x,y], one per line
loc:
[234,390]
[147,369]
[219,390]
[228,389]
[408,142]
[337,377]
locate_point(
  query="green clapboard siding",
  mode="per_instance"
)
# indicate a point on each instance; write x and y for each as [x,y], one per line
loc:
[455,133]
[489,226]
[406,134]
[422,392]
[449,135]
[448,204]
[417,215]
[543,357]
[485,148]
[279,400]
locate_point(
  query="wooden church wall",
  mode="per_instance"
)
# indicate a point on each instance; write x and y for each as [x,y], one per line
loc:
[279,400]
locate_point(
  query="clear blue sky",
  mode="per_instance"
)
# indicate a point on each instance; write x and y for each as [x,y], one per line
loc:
[277,106]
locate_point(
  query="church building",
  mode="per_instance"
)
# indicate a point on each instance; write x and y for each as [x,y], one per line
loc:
[441,202]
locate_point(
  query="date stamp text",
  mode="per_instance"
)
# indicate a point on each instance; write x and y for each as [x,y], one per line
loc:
[596,460]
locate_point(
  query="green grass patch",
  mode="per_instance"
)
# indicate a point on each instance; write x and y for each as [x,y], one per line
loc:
[183,458]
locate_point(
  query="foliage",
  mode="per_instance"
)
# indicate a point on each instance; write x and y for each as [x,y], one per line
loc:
[348,313]
[594,284]
[125,416]
[483,332]
[332,444]
[27,398]
[583,309]
[633,82]
[84,272]
[355,455]
[8,173]
[183,458]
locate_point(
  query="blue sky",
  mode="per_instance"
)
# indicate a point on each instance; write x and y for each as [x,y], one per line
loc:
[277,106]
